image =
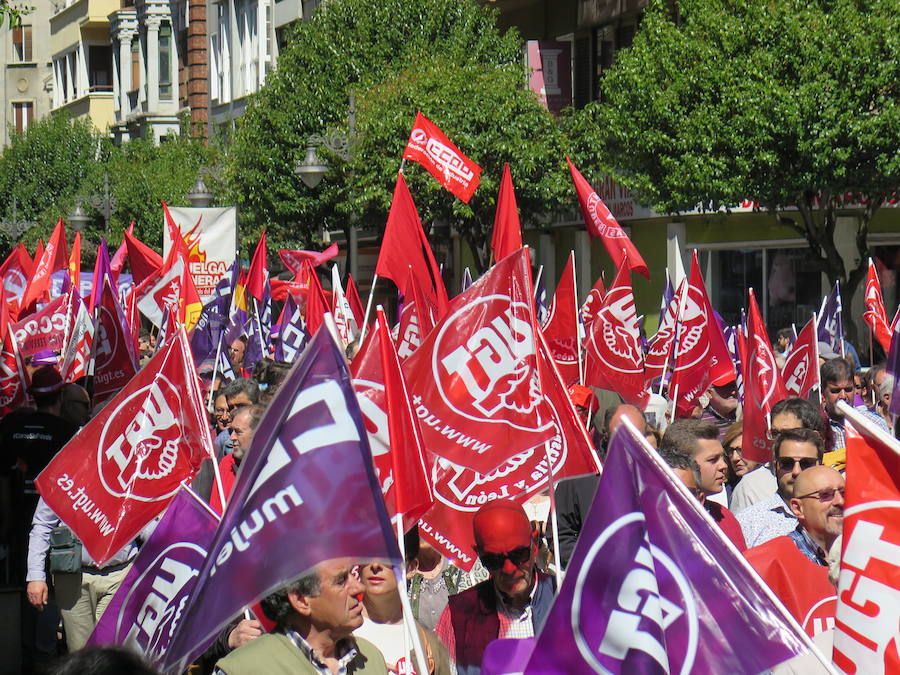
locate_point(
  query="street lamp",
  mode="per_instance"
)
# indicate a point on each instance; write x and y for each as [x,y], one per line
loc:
[200,196]
[105,203]
[311,170]
[78,218]
[15,228]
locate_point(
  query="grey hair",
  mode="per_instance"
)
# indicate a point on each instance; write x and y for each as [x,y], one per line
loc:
[277,605]
[887,385]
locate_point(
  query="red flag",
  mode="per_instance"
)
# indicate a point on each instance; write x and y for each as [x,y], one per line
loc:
[355,303]
[459,491]
[118,260]
[256,277]
[38,251]
[79,340]
[293,260]
[475,379]
[44,329]
[54,257]
[405,245]
[613,345]
[316,304]
[171,285]
[412,489]
[659,353]
[14,274]
[142,259]
[125,466]
[416,318]
[763,387]
[801,367]
[600,223]
[701,354]
[428,146]
[507,235]
[75,263]
[561,329]
[592,303]
[868,607]
[114,359]
[13,380]
[875,314]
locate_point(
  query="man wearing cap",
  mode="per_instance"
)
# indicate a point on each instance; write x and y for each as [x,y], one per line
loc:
[513,603]
[722,407]
[29,440]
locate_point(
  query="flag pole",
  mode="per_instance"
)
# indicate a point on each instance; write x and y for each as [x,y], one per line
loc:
[537,279]
[679,324]
[362,334]
[409,619]
[816,350]
[577,321]
[554,520]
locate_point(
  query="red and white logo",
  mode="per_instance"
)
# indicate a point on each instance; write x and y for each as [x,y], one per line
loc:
[693,345]
[619,347]
[107,338]
[10,382]
[491,373]
[445,157]
[603,220]
[371,401]
[139,452]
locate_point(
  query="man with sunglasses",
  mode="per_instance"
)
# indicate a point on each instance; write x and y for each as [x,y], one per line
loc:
[818,504]
[513,603]
[795,450]
[836,377]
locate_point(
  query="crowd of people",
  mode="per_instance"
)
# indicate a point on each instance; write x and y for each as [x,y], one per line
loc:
[347,616]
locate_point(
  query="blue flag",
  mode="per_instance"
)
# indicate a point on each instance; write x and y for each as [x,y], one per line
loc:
[306,492]
[831,320]
[655,587]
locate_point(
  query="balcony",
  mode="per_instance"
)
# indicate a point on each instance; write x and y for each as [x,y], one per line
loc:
[96,105]
[80,18]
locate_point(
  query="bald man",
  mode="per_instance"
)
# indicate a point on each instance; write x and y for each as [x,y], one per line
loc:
[513,603]
[818,504]
[575,495]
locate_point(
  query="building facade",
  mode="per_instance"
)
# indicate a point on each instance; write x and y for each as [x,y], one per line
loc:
[27,71]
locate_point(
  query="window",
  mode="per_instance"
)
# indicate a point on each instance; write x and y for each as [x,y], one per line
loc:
[165,62]
[100,67]
[21,38]
[23,113]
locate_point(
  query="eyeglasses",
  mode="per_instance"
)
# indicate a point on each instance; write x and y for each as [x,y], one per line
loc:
[824,496]
[788,463]
[494,561]
[731,449]
[838,390]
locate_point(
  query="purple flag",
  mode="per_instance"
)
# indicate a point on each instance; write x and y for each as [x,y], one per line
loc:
[213,319]
[292,335]
[655,587]
[146,608]
[102,269]
[831,322]
[466,280]
[259,328]
[306,492]
[893,367]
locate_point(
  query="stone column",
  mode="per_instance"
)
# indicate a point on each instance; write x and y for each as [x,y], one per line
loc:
[152,24]
[125,38]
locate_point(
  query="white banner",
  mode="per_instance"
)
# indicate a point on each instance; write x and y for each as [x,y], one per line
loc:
[211,237]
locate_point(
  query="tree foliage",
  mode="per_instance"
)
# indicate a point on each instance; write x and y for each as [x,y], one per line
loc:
[371,50]
[790,103]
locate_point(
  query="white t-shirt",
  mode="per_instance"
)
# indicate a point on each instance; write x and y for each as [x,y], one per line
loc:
[388,637]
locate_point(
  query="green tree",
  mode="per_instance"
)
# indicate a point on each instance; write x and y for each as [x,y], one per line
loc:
[790,103]
[357,46]
[41,171]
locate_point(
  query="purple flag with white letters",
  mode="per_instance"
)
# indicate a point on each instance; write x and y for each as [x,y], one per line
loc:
[292,335]
[146,608]
[831,321]
[655,587]
[214,318]
[306,492]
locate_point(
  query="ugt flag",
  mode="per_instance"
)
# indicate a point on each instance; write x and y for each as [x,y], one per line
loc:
[655,587]
[146,608]
[428,146]
[866,638]
[127,463]
[306,492]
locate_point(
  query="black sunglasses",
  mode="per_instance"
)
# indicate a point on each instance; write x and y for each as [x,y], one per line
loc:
[787,463]
[494,561]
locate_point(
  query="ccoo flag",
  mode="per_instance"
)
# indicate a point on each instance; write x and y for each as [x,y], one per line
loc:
[289,509]
[146,608]
[428,146]
[655,587]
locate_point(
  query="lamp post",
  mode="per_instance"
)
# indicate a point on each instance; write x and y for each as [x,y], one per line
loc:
[312,169]
[200,196]
[105,203]
[78,218]
[15,228]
